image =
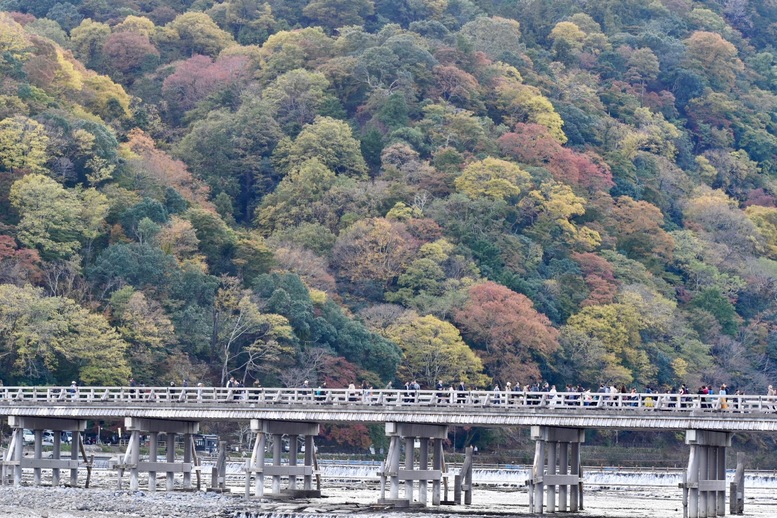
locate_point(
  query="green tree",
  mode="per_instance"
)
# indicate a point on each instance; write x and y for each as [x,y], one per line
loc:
[715,57]
[242,334]
[230,151]
[334,14]
[55,220]
[499,38]
[143,324]
[53,339]
[330,141]
[319,322]
[299,198]
[720,307]
[616,327]
[87,41]
[296,96]
[195,33]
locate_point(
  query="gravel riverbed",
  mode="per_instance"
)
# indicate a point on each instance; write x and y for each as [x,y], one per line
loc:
[104,500]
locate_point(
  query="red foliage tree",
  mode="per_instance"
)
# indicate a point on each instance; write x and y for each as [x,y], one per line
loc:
[128,52]
[512,336]
[199,76]
[599,277]
[18,266]
[532,144]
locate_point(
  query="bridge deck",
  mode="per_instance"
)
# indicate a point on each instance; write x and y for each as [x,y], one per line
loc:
[477,408]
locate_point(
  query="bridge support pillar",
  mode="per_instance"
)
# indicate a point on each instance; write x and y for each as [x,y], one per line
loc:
[292,471]
[556,464]
[15,455]
[392,472]
[704,485]
[170,467]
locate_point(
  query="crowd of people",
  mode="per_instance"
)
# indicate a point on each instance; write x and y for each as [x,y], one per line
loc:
[705,396]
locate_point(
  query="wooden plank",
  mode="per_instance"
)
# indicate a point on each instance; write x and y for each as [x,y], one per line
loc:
[712,485]
[561,480]
[420,474]
[50,463]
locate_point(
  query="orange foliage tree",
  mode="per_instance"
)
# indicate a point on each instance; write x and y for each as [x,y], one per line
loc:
[512,337]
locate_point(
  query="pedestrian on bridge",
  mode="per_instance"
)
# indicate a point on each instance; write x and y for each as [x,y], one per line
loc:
[462,396]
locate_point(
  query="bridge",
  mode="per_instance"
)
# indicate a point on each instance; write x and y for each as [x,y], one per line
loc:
[413,419]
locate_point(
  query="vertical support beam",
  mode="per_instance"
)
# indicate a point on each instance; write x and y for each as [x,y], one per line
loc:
[409,448]
[563,463]
[309,451]
[423,464]
[261,438]
[127,457]
[187,458]
[739,498]
[221,466]
[712,474]
[692,479]
[37,455]
[276,461]
[19,455]
[170,458]
[550,493]
[75,446]
[437,466]
[703,454]
[395,451]
[293,460]
[134,459]
[538,470]
[153,450]
[56,454]
[468,462]
[720,508]
[574,469]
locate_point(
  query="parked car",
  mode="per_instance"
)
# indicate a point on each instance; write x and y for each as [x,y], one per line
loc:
[28,436]
[48,438]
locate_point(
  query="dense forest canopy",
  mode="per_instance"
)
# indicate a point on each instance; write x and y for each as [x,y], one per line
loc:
[343,190]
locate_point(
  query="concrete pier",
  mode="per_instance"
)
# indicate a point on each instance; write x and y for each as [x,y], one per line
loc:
[392,472]
[704,486]
[292,471]
[556,465]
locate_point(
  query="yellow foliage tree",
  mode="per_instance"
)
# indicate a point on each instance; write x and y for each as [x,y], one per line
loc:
[492,178]
[433,350]
[23,143]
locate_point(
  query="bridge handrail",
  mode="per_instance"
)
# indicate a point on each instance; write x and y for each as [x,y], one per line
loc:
[387,398]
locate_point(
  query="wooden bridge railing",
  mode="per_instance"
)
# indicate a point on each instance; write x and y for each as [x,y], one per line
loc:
[388,398]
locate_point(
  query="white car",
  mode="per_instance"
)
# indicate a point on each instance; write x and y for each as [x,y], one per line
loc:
[28,436]
[48,438]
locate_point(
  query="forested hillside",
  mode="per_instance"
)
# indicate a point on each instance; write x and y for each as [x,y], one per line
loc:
[344,190]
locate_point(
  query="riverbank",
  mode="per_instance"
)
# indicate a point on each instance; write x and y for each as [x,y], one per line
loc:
[358,499]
